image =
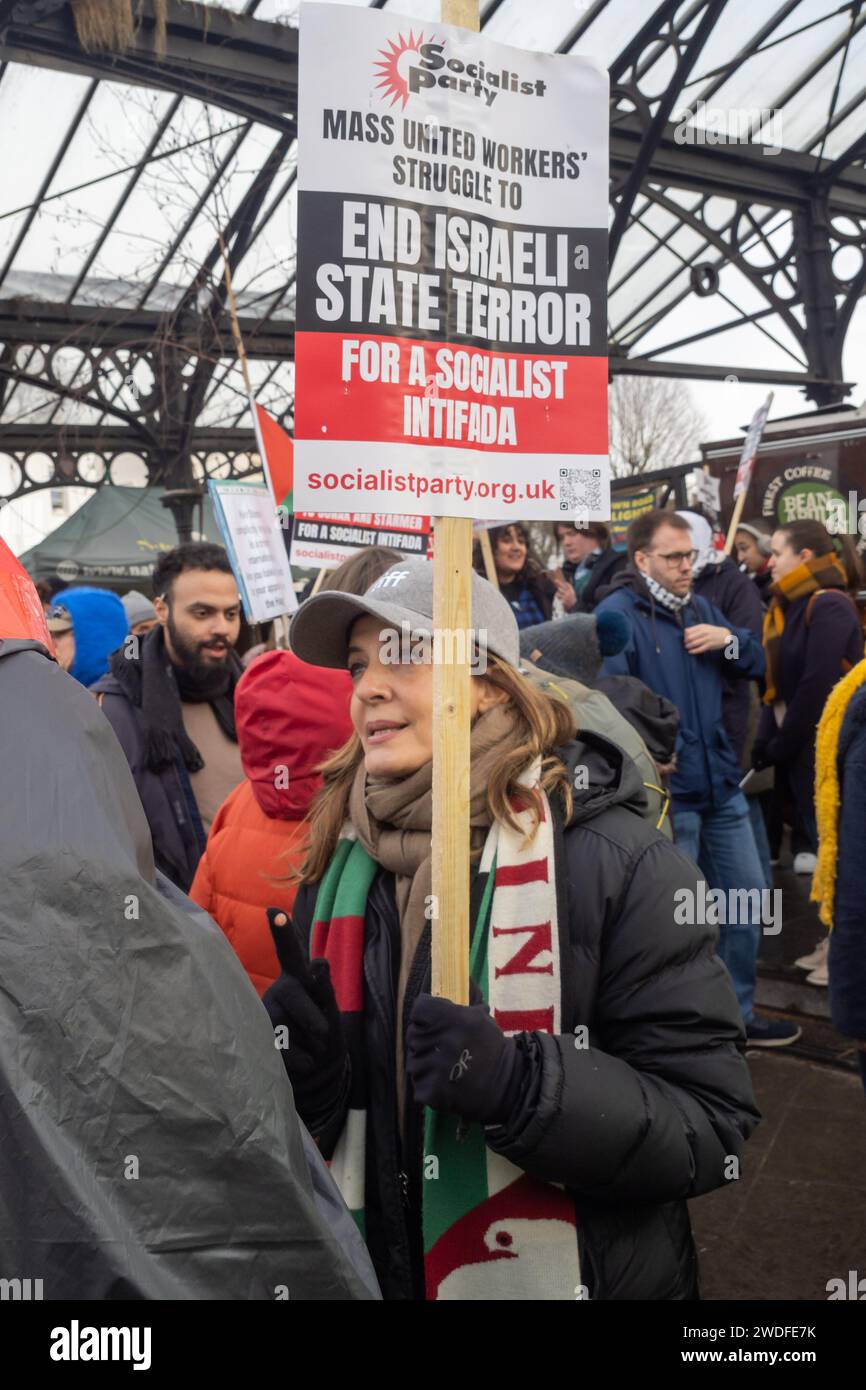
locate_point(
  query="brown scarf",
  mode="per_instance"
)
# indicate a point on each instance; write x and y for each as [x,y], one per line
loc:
[393,818]
[823,572]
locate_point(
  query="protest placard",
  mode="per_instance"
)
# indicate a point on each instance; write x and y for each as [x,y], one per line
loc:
[750,446]
[323,540]
[708,491]
[256,551]
[452,251]
[746,467]
[624,507]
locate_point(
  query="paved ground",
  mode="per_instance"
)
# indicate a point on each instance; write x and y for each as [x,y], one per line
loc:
[796,1217]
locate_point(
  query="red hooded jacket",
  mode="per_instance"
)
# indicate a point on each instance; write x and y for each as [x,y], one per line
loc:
[289,717]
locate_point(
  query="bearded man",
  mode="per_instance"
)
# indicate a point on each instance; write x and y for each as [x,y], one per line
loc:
[169,697]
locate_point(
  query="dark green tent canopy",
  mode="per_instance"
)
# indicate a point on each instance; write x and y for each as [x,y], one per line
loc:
[114,539]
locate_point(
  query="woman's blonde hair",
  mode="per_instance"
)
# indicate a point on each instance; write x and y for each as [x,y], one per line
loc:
[542,724]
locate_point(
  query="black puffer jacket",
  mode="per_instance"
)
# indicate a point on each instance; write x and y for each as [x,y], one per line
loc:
[633,1124]
[166,792]
[734,594]
[604,571]
[167,796]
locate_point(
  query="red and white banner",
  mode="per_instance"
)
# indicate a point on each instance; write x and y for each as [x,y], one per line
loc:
[325,540]
[451,329]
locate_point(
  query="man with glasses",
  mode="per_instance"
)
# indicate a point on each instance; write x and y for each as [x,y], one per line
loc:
[682,647]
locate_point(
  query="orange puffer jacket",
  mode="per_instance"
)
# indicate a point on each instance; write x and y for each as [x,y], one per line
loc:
[289,716]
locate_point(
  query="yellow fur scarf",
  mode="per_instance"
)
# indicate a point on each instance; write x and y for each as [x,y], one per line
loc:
[827,790]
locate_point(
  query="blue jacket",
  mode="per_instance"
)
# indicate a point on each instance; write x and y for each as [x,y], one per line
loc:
[847,961]
[708,772]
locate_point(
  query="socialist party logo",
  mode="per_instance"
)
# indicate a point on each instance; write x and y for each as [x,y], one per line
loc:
[418,63]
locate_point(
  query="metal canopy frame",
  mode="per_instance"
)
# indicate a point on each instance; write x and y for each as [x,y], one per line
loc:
[660,186]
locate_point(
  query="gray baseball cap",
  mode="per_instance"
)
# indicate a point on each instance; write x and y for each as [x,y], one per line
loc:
[320,629]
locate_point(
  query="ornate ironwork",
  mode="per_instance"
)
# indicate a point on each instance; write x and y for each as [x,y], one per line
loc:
[117,386]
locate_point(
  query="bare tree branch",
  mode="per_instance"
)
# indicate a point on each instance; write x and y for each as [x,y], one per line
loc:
[653,423]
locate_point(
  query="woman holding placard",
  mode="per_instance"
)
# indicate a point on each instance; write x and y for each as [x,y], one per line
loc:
[540,1142]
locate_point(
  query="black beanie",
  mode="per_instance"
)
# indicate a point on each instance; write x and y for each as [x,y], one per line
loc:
[575,646]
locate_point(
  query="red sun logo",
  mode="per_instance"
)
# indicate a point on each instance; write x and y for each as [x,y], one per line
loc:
[391,69]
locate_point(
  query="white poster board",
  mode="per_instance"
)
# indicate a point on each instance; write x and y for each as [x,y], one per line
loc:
[256,549]
[708,491]
[750,447]
[451,327]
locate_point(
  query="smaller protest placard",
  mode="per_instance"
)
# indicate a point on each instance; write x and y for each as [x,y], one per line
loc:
[624,507]
[323,540]
[256,551]
[708,492]
[750,447]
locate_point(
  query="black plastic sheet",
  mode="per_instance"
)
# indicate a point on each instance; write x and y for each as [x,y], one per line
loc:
[149,1146]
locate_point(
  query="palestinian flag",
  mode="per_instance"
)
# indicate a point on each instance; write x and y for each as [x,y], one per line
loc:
[277,453]
[338,935]
[490,1230]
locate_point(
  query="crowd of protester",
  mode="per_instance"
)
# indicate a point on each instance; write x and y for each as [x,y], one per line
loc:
[651,715]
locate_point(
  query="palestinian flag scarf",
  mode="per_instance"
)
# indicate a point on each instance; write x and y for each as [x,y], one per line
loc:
[823,572]
[490,1230]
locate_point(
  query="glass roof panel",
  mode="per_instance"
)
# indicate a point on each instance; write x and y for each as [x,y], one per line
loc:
[112,136]
[610,31]
[845,134]
[155,230]
[763,80]
[542,27]
[31,142]
[851,89]
[191,193]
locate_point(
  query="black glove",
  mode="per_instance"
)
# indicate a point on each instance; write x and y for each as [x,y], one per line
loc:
[302,1000]
[459,1060]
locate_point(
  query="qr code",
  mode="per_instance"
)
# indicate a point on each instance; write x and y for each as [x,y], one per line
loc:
[580,490]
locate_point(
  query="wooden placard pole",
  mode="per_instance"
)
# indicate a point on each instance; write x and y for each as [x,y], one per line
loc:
[487,557]
[735,521]
[320,579]
[452,613]
[233,315]
[741,500]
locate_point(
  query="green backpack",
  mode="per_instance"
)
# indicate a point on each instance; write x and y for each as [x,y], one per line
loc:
[593,710]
